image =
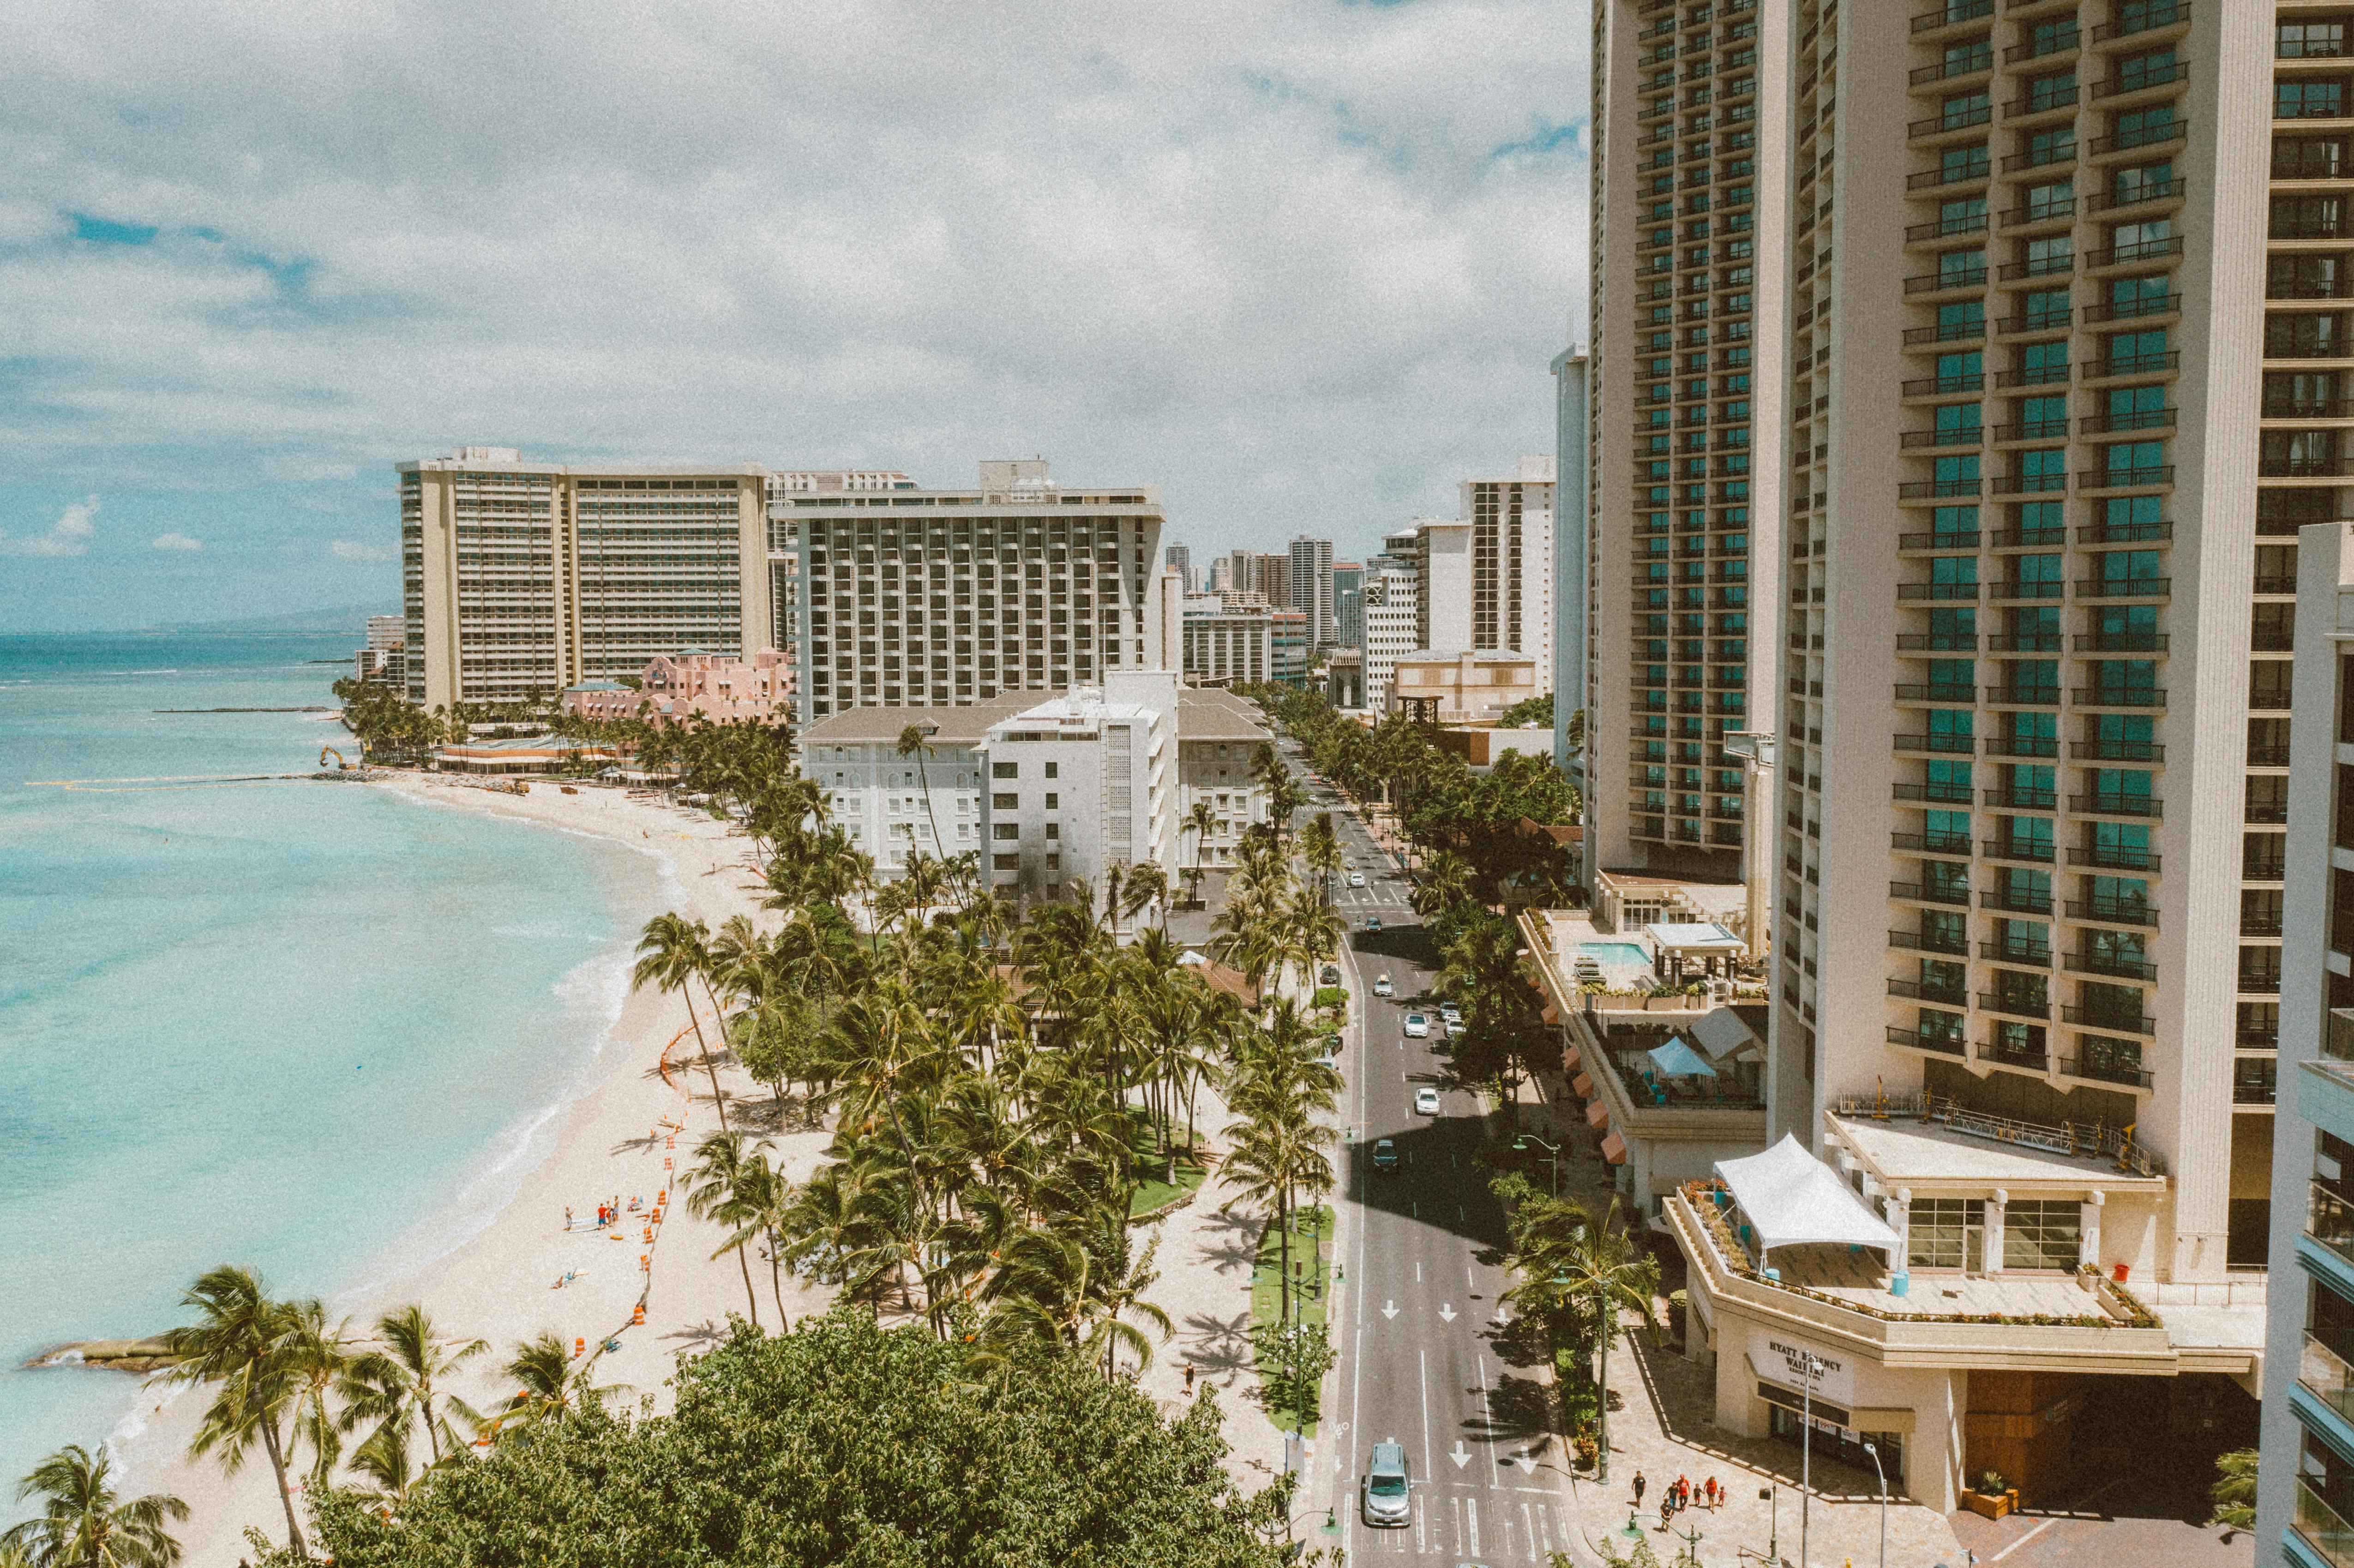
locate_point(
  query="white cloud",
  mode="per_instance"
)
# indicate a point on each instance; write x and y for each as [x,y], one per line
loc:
[1298,262]
[177,542]
[70,536]
[348,550]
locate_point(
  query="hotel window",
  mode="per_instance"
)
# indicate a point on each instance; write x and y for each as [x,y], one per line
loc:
[1946,1232]
[2041,1233]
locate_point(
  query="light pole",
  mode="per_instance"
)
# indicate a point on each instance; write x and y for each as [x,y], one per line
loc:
[1552,1155]
[1876,1471]
[1813,1370]
[1773,1501]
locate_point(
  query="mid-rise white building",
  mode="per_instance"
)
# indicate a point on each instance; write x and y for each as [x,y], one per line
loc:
[1228,638]
[890,803]
[1391,617]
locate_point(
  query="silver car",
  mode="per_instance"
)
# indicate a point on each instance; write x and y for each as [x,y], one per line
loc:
[1387,1502]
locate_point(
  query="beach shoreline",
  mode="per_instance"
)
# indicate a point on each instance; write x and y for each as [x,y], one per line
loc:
[486,1265]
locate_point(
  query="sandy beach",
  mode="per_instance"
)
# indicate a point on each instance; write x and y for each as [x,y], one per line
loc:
[629,1130]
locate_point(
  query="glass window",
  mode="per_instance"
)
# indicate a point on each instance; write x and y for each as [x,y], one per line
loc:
[2041,1233]
[1945,1233]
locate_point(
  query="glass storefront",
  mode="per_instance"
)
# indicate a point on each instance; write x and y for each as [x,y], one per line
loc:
[1845,1445]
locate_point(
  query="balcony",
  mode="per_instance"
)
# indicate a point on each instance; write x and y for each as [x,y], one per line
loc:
[1913,693]
[1956,944]
[2015,797]
[2141,808]
[1942,793]
[1951,385]
[1953,14]
[1955,333]
[1960,67]
[1945,228]
[2113,857]
[1923,893]
[2093,963]
[2106,1018]
[2320,1528]
[2031,955]
[2053,374]
[1943,1045]
[1943,177]
[1957,436]
[1913,990]
[2021,641]
[2148,21]
[2034,852]
[2048,157]
[2140,254]
[1942,745]
[2040,212]
[2147,194]
[2027,588]
[2125,534]
[2035,103]
[2104,1071]
[2113,912]
[2058,266]
[2036,49]
[2014,902]
[1949,125]
[1946,283]
[2117,697]
[2015,1006]
[2033,1058]
[2021,746]
[1930,844]
[2152,477]
[2121,643]
[2023,698]
[2031,483]
[2133,364]
[2132,420]
[2144,138]
[2123,587]
[2123,86]
[1939,490]
[2141,308]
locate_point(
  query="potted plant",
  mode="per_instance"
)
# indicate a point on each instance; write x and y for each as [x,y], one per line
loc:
[1994,1496]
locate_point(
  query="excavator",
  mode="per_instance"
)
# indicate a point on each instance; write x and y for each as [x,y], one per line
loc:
[327,751]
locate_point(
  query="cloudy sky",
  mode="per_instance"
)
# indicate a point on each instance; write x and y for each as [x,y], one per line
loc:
[1300,262]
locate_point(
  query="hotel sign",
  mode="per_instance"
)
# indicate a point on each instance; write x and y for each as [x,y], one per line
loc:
[1782,1360]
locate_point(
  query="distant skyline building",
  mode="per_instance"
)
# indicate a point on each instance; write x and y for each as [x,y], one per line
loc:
[1312,587]
[1228,638]
[1349,603]
[1391,630]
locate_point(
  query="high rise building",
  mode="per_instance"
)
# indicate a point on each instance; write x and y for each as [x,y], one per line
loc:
[1312,587]
[1685,387]
[1228,638]
[1512,562]
[1256,571]
[1392,631]
[1442,583]
[939,598]
[1178,556]
[2031,571]
[521,577]
[2305,1503]
[1349,603]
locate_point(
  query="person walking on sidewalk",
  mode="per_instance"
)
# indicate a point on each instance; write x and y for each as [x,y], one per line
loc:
[1639,1489]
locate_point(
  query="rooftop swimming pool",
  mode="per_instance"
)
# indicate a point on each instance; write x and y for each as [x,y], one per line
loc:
[1621,953]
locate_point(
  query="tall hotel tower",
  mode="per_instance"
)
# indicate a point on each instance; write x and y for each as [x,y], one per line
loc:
[1684,552]
[2031,422]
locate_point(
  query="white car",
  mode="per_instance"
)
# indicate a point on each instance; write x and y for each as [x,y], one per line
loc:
[1356,879]
[1452,1013]
[1426,1101]
[1417,1027]
[1381,987]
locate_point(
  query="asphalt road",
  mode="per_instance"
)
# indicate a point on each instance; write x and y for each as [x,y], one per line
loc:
[1427,1356]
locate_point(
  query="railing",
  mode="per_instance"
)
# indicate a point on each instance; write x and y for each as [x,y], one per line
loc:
[1930,844]
[2123,587]
[2092,1141]
[2033,851]
[2032,1057]
[2015,1006]
[1943,1044]
[1933,282]
[2320,1527]
[1913,990]
[2106,1072]
[1929,942]
[2041,103]
[2146,477]
[2033,956]
[2022,745]
[2108,964]
[2119,750]
[2147,21]
[2114,911]
[2118,857]
[2118,697]
[2101,1018]
[2141,136]
[1938,125]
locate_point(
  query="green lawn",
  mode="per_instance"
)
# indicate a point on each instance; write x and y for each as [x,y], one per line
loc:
[1313,1282]
[1153,1193]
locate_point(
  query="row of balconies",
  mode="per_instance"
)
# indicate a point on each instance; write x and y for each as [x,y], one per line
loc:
[2030,747]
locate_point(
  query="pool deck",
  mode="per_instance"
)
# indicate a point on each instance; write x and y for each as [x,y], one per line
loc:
[1571,929]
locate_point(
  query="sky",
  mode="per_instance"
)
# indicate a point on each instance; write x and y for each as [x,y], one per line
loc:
[1301,263]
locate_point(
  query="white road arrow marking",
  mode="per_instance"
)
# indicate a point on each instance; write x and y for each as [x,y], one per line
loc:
[1461,1455]
[1446,1312]
[1389,1309]
[1524,1462]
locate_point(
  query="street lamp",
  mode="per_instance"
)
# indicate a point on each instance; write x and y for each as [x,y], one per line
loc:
[1773,1501]
[1552,1155]
[1876,1471]
[1813,1370]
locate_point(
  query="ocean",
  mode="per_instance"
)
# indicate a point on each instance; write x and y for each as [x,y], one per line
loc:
[308,1027]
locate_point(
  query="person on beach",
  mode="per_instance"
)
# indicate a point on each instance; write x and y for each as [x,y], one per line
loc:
[567,1216]
[1189,1377]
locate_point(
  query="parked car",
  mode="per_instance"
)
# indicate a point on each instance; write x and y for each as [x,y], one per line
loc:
[1417,1027]
[1328,975]
[1356,879]
[1381,987]
[1426,1101]
[1385,1154]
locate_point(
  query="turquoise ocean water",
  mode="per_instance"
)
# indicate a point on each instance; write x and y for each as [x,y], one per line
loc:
[308,1027]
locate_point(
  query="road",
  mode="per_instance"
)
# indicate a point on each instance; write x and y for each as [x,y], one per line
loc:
[1427,1356]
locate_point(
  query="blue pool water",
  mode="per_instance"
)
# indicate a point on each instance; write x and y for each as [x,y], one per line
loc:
[1615,953]
[308,1027]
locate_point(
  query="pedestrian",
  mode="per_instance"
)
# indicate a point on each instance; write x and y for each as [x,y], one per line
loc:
[1667,1509]
[1189,1377]
[567,1216]
[1639,1489]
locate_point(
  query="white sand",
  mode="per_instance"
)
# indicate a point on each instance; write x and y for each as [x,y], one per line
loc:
[615,1136]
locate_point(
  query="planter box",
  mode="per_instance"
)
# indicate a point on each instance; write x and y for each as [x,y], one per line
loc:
[1991,1505]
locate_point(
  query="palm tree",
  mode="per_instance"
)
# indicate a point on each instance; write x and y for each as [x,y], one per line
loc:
[1201,819]
[763,1202]
[1600,1267]
[915,741]
[320,1358]
[722,1181]
[243,1342]
[551,1390]
[1146,884]
[672,951]
[85,1523]
[399,1385]
[1319,847]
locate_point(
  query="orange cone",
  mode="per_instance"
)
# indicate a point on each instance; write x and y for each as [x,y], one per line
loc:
[580,1348]
[639,1316]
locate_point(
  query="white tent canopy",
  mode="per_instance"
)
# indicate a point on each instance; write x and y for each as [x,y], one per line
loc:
[1791,1198]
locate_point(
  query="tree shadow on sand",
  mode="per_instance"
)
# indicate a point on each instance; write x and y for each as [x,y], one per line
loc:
[1217,1347]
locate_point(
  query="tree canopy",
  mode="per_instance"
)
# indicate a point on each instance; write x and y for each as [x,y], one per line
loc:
[841,1442]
